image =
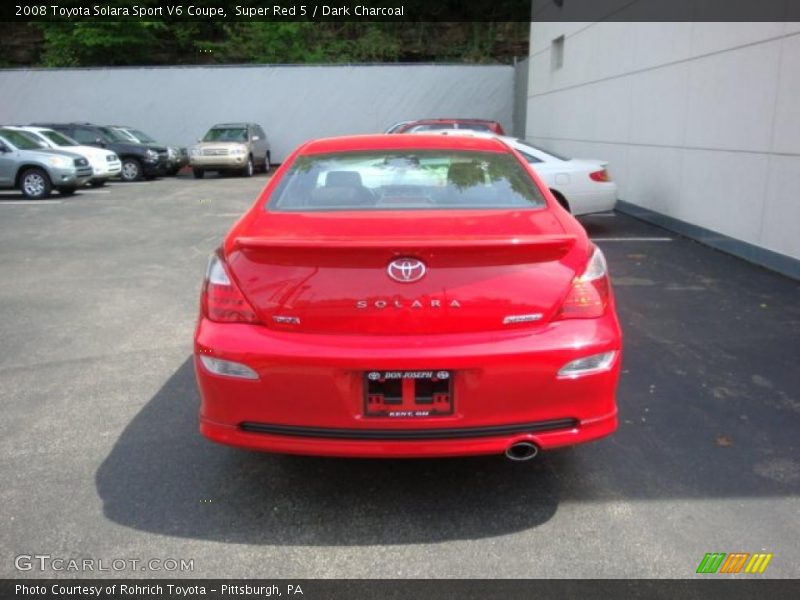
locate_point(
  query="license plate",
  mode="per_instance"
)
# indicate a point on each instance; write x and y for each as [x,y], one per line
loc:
[408,394]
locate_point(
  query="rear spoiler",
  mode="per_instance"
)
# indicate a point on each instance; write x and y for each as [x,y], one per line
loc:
[482,250]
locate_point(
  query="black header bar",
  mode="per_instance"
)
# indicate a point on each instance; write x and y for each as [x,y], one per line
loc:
[402,10]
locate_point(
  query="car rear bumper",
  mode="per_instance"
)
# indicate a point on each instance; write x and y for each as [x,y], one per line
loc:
[601,199]
[309,398]
[356,446]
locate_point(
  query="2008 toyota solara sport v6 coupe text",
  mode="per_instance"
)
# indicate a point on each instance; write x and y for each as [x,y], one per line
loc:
[407,296]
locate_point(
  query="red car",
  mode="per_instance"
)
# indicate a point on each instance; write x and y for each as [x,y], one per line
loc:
[438,124]
[407,296]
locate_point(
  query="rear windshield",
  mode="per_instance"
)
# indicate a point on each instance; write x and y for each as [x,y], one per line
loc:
[226,134]
[405,180]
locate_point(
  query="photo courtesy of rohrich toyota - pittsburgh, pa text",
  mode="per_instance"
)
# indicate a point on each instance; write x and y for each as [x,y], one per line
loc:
[400,299]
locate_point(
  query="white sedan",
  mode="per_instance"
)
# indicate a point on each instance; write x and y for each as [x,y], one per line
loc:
[581,186]
[105,163]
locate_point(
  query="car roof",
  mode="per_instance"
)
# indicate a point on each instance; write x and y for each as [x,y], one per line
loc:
[231,125]
[384,141]
[516,143]
[453,120]
[27,128]
[14,127]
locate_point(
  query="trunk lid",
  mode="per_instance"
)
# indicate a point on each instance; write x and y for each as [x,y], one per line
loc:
[330,272]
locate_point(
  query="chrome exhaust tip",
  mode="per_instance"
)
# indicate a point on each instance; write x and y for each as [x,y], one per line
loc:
[521,451]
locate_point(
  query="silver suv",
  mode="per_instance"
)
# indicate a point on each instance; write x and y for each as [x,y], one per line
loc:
[34,170]
[239,147]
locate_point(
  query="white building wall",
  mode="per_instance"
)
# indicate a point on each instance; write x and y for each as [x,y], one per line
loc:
[293,103]
[700,121]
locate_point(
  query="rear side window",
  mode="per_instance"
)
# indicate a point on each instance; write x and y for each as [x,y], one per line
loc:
[85,136]
[405,180]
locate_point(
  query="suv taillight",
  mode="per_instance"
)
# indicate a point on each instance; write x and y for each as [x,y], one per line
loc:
[589,294]
[222,301]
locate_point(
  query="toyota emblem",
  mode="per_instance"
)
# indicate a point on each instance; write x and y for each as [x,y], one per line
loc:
[406,270]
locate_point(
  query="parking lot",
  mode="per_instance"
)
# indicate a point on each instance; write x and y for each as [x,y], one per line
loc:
[99,428]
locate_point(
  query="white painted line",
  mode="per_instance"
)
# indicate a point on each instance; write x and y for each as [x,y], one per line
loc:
[28,202]
[634,239]
[94,192]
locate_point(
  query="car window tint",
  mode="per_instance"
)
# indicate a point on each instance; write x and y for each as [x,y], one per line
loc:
[129,136]
[85,136]
[530,158]
[432,127]
[551,153]
[112,135]
[474,126]
[226,134]
[142,136]
[59,139]
[406,180]
[22,140]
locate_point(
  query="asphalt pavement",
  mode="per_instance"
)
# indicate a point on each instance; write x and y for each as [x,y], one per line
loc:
[100,456]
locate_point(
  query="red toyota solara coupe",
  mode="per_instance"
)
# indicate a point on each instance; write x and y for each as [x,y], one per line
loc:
[407,296]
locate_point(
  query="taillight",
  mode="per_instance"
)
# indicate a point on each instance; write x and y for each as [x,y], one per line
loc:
[601,176]
[222,301]
[228,367]
[588,297]
[588,365]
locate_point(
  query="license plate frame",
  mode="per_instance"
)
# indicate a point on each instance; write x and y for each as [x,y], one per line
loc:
[420,394]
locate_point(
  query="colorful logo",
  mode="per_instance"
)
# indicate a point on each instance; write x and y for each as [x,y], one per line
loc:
[736,562]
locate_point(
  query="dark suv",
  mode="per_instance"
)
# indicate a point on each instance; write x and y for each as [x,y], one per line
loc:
[138,160]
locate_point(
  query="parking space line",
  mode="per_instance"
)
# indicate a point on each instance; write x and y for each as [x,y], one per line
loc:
[95,192]
[634,239]
[29,202]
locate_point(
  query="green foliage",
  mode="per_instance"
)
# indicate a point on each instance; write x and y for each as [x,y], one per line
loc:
[136,42]
[90,43]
